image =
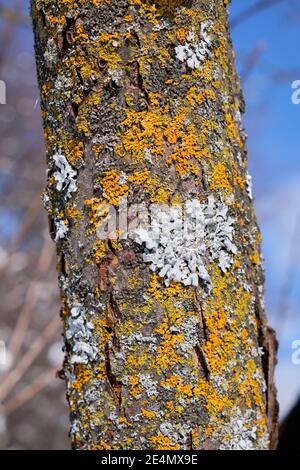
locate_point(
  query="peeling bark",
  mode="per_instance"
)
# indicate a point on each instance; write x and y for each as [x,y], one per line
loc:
[141,100]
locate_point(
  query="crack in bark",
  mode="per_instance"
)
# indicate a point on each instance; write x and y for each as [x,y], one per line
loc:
[115,385]
[271,347]
[202,361]
[61,264]
[67,35]
[268,342]
[199,355]
[114,316]
[190,441]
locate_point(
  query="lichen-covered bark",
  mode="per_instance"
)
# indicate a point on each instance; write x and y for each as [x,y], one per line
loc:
[140,100]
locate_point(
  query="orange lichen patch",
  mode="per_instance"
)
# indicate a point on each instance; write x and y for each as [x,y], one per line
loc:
[166,352]
[82,122]
[80,36]
[86,67]
[101,446]
[139,177]
[204,73]
[73,213]
[244,336]
[75,152]
[160,196]
[187,150]
[46,88]
[185,390]
[98,212]
[97,149]
[98,48]
[139,359]
[255,258]
[71,148]
[182,155]
[143,133]
[148,414]
[221,343]
[171,381]
[163,56]
[113,190]
[237,179]
[214,402]
[250,389]
[161,442]
[104,335]
[167,294]
[136,388]
[157,191]
[175,130]
[124,421]
[261,423]
[181,34]
[83,375]
[56,20]
[108,36]
[100,250]
[207,129]
[168,5]
[197,98]
[154,133]
[220,178]
[170,406]
[169,300]
[232,130]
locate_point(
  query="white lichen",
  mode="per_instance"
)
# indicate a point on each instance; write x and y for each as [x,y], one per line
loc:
[219,231]
[249,186]
[65,176]
[176,434]
[149,385]
[243,434]
[51,52]
[175,251]
[79,331]
[194,53]
[61,229]
[177,244]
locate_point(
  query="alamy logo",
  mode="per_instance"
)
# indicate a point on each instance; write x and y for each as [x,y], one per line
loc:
[2,92]
[296,353]
[296,93]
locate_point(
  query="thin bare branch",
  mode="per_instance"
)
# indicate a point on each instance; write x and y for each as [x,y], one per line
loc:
[12,15]
[31,354]
[251,62]
[20,330]
[252,11]
[28,392]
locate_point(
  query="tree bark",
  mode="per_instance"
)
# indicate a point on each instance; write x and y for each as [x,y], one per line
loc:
[166,343]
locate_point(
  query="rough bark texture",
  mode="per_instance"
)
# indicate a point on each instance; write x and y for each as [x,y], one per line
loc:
[140,99]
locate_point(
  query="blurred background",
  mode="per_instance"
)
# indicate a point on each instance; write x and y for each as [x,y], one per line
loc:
[33,411]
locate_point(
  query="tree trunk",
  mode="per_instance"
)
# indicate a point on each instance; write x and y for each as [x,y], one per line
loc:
[166,342]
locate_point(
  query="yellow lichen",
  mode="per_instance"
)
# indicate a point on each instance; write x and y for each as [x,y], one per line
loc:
[83,375]
[113,190]
[220,179]
[161,442]
[148,414]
